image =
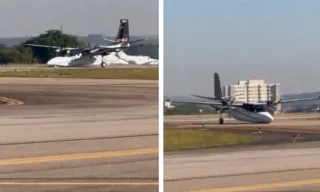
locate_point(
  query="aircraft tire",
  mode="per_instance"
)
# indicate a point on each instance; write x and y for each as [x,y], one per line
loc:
[221,121]
[103,65]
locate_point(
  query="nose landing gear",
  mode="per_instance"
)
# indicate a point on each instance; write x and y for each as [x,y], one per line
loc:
[221,121]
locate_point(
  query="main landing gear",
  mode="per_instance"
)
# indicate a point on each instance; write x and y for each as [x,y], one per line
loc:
[221,121]
[103,64]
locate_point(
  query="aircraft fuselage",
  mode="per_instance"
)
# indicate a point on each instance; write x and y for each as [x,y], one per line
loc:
[70,61]
[242,114]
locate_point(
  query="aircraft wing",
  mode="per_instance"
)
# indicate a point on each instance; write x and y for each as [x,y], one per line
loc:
[292,100]
[44,46]
[101,50]
[49,46]
[297,100]
[205,97]
[117,47]
[113,41]
[131,46]
[213,98]
[134,41]
[215,105]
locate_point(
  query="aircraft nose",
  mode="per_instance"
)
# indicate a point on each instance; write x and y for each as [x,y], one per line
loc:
[51,61]
[269,117]
[59,61]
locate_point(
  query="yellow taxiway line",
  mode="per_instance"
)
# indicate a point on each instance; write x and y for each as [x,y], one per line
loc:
[9,101]
[269,186]
[80,183]
[70,157]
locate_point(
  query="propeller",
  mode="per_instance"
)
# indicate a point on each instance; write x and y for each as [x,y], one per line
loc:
[271,105]
[89,45]
[88,50]
[232,100]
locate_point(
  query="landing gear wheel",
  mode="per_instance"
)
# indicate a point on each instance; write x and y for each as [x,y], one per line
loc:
[103,64]
[221,120]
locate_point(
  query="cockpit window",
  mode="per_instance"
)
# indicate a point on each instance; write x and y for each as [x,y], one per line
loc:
[255,108]
[261,108]
[62,53]
[68,53]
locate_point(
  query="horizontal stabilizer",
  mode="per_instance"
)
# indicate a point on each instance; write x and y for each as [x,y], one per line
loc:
[111,41]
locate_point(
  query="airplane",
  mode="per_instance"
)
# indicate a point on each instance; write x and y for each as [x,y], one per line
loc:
[75,57]
[258,113]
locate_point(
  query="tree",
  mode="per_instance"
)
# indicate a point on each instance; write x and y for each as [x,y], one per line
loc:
[54,38]
[17,54]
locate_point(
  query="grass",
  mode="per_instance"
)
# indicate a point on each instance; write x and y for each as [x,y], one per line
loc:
[312,118]
[178,139]
[110,73]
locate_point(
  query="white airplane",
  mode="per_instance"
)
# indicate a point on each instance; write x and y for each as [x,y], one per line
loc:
[247,112]
[75,57]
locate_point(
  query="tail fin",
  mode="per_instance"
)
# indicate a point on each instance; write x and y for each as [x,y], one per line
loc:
[217,86]
[123,32]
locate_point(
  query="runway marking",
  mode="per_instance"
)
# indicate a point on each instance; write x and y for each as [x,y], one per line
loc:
[82,183]
[69,157]
[10,101]
[262,186]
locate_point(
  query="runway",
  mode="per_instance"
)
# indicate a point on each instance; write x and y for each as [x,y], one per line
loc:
[79,135]
[301,122]
[292,165]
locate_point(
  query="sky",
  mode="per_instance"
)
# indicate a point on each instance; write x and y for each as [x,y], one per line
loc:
[78,17]
[274,40]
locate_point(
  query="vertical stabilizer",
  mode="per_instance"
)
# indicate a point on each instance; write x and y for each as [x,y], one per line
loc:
[217,86]
[123,32]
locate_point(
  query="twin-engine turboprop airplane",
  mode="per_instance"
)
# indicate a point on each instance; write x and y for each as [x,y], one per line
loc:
[73,57]
[248,112]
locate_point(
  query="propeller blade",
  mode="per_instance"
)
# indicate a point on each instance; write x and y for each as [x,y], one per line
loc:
[232,100]
[89,45]
[279,101]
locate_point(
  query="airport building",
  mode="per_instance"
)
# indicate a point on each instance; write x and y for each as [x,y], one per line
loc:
[251,91]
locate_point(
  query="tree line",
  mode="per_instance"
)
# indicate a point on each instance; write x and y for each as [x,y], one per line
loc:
[22,54]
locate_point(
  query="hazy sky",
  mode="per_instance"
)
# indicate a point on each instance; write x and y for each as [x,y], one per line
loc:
[275,40]
[79,17]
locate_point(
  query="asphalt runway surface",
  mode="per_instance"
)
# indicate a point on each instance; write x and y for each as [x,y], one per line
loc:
[275,161]
[78,135]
